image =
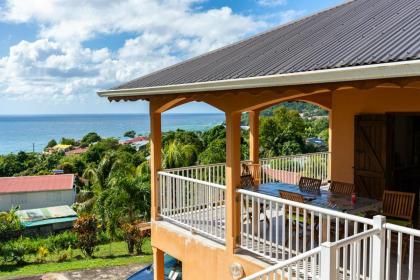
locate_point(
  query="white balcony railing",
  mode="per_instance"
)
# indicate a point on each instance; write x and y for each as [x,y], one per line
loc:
[365,255]
[280,229]
[291,233]
[194,204]
[212,173]
[289,169]
[303,266]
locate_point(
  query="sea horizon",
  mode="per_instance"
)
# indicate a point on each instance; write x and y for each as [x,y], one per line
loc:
[32,132]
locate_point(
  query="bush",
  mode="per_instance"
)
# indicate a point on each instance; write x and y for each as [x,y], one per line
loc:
[62,241]
[10,225]
[134,234]
[13,252]
[86,229]
[42,254]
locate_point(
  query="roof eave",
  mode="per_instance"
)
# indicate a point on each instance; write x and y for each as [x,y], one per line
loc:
[356,73]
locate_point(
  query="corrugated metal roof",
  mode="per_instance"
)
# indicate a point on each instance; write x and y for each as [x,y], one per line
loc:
[48,215]
[360,32]
[36,183]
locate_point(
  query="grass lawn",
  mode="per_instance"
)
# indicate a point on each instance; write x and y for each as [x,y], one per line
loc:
[105,256]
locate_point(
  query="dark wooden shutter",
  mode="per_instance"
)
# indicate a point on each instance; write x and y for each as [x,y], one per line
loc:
[370,160]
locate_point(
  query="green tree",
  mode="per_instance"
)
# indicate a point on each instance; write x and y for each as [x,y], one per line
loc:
[90,138]
[99,177]
[179,155]
[95,152]
[51,144]
[68,141]
[282,133]
[214,153]
[130,134]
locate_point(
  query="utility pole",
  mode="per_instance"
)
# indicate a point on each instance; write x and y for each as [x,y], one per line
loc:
[33,147]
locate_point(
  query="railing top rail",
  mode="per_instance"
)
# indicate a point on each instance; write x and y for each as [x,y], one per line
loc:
[308,207]
[282,264]
[299,155]
[191,180]
[406,230]
[224,163]
[355,238]
[196,166]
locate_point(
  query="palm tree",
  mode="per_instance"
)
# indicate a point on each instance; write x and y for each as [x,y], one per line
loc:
[99,177]
[179,155]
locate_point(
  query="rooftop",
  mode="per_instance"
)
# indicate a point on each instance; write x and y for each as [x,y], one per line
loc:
[356,33]
[36,183]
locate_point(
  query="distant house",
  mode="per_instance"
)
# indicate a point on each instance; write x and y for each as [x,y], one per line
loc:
[29,192]
[136,142]
[58,148]
[76,151]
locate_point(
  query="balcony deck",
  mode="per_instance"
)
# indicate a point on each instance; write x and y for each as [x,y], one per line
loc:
[194,198]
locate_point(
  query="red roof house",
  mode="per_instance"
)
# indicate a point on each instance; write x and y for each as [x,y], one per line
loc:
[36,183]
[30,192]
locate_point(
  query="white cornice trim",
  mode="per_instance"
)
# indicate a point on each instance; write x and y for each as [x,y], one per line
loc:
[356,73]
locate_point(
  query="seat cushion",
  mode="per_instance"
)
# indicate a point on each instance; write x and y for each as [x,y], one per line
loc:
[398,222]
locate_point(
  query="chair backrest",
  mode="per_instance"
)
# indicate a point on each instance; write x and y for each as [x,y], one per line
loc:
[343,188]
[293,197]
[398,204]
[309,184]
[247,181]
[253,169]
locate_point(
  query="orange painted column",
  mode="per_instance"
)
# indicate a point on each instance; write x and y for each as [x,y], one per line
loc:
[158,264]
[233,158]
[254,136]
[155,157]
[330,143]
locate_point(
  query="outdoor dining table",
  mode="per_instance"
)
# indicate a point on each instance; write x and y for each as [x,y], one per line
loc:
[364,207]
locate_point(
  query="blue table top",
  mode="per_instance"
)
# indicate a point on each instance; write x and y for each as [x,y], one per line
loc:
[324,199]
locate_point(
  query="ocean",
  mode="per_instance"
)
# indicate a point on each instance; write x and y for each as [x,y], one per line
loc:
[25,133]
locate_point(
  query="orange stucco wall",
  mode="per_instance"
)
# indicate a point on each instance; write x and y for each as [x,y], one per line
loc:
[201,258]
[345,105]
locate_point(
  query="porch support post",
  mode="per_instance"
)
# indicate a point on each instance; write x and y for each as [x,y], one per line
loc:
[158,264]
[155,157]
[328,261]
[254,140]
[233,157]
[330,144]
[379,251]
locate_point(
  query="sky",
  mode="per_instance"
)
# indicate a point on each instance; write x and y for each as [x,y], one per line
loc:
[56,54]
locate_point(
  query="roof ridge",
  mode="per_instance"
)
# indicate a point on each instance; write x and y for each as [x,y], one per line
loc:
[29,176]
[273,29]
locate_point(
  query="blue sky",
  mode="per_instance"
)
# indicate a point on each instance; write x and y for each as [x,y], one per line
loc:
[55,54]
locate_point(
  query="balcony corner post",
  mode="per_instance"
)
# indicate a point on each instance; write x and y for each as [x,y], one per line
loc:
[328,261]
[233,157]
[378,243]
[155,157]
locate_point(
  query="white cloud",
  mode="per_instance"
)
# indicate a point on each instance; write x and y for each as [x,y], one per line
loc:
[58,67]
[271,3]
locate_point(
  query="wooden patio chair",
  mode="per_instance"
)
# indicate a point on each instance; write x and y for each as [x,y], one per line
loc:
[342,188]
[252,169]
[297,220]
[247,181]
[398,207]
[309,184]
